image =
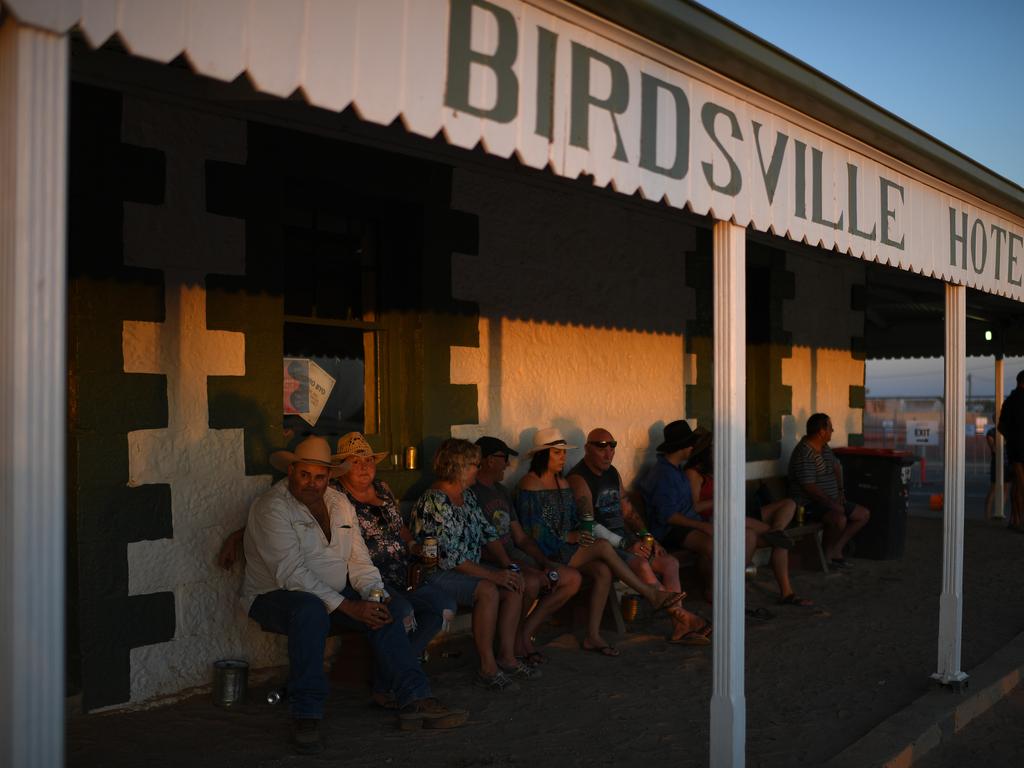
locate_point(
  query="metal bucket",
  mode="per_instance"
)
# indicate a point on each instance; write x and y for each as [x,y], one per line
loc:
[230,682]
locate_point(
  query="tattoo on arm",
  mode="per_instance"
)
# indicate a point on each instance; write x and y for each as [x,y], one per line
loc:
[584,506]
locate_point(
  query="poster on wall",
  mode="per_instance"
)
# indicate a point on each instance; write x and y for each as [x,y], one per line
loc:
[307,387]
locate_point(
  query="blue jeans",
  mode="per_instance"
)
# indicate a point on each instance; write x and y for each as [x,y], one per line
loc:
[426,605]
[305,620]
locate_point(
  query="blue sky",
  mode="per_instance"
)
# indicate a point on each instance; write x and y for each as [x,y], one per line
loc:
[954,69]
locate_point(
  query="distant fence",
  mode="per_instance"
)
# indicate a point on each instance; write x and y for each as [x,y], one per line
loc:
[916,424]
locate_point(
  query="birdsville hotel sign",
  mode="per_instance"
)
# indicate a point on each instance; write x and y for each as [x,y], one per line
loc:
[634,116]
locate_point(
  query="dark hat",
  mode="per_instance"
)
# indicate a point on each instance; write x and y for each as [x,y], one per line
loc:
[492,445]
[677,435]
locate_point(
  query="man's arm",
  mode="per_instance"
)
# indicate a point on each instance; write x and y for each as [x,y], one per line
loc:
[584,505]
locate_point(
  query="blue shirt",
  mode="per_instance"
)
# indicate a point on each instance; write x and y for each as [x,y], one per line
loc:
[666,492]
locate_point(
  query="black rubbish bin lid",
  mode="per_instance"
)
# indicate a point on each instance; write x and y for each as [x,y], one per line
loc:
[904,458]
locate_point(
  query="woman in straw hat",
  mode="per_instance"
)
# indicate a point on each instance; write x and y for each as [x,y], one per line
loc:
[548,513]
[450,512]
[424,610]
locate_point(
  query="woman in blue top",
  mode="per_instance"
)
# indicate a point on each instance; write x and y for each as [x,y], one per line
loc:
[449,511]
[548,513]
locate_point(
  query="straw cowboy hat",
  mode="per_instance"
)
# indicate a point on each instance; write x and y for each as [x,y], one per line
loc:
[312,450]
[549,437]
[677,435]
[354,444]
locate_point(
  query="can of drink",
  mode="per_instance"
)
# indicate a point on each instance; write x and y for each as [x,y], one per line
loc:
[587,524]
[410,457]
[515,568]
[553,578]
[430,551]
[230,682]
[649,542]
[801,515]
[376,595]
[275,695]
[630,606]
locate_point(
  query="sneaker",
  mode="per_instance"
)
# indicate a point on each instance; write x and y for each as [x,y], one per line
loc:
[430,713]
[522,671]
[499,682]
[306,736]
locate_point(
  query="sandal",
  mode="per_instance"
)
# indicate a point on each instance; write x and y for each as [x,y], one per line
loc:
[499,682]
[690,638]
[759,614]
[533,658]
[605,650]
[794,599]
[521,671]
[668,600]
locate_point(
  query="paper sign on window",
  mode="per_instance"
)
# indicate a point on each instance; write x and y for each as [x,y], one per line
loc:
[306,388]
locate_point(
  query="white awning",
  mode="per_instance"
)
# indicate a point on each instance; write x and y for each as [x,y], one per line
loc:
[560,88]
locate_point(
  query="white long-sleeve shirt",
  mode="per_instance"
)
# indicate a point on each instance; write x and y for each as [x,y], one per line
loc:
[285,548]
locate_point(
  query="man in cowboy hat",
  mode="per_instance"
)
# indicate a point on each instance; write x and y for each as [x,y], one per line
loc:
[671,514]
[597,486]
[307,569]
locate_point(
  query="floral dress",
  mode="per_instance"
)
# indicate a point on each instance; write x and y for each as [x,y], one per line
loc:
[461,532]
[381,526]
[549,515]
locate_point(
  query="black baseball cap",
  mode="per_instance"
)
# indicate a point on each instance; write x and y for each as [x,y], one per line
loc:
[492,445]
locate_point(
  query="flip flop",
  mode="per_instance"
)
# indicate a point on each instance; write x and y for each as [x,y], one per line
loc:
[690,638]
[759,614]
[795,600]
[533,658]
[605,650]
[673,598]
[840,564]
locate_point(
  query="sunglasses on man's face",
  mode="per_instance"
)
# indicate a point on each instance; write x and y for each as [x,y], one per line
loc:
[602,444]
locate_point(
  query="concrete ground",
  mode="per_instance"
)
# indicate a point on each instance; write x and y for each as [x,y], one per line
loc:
[817,681]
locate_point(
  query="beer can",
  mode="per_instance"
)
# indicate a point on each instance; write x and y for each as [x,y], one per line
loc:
[630,606]
[410,457]
[553,578]
[649,542]
[587,524]
[801,515]
[515,568]
[430,551]
[376,595]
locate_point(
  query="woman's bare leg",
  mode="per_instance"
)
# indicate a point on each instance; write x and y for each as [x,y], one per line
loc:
[602,551]
[509,609]
[569,580]
[602,579]
[485,618]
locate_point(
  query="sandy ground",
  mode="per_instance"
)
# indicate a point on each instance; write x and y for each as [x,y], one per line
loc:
[815,682]
[995,739]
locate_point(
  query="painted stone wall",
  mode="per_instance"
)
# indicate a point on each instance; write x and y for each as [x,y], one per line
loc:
[154,611]
[583,304]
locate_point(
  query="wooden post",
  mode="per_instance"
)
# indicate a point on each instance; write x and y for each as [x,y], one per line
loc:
[33,311]
[951,600]
[728,703]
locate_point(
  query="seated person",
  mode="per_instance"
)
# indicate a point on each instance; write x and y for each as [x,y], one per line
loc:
[548,514]
[307,569]
[816,482]
[672,516]
[422,612]
[597,486]
[425,609]
[449,512]
[497,506]
[766,530]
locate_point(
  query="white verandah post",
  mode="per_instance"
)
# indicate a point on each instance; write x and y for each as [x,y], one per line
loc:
[998,507]
[728,704]
[33,193]
[951,599]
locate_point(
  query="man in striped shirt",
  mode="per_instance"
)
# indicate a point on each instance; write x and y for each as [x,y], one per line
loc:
[816,482]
